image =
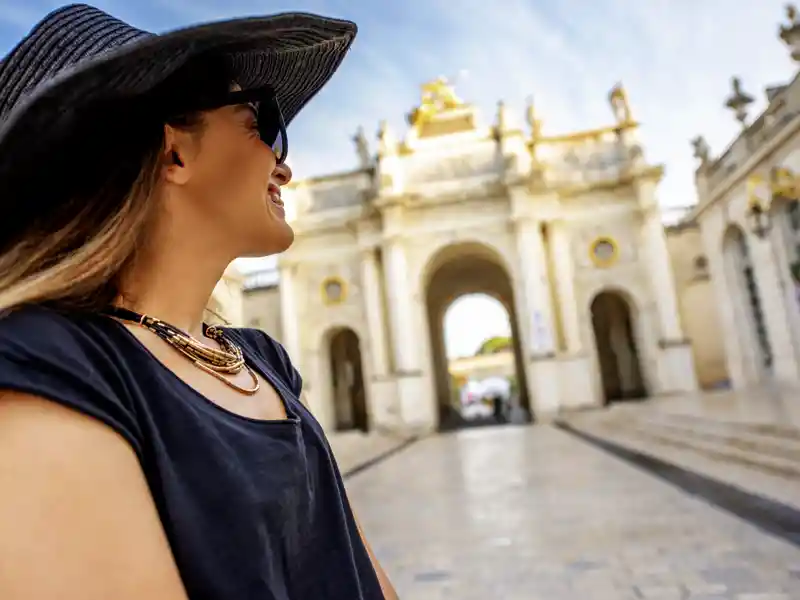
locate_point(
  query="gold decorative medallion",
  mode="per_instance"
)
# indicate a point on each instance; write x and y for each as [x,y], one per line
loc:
[604,252]
[334,290]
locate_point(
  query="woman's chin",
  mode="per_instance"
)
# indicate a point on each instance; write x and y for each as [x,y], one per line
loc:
[277,239]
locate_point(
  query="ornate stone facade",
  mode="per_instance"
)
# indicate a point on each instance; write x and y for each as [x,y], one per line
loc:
[749,219]
[564,230]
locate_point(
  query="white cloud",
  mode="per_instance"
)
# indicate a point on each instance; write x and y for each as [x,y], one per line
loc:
[674,57]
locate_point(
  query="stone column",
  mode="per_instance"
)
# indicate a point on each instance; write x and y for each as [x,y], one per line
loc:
[290,324]
[675,366]
[659,268]
[542,369]
[413,408]
[536,286]
[401,318]
[373,305]
[565,286]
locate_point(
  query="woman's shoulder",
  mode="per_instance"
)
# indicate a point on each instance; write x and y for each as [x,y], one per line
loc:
[39,322]
[35,332]
[67,358]
[261,345]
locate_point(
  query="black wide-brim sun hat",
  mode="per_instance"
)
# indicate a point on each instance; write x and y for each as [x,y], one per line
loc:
[79,55]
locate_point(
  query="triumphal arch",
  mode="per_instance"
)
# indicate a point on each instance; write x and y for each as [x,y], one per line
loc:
[564,230]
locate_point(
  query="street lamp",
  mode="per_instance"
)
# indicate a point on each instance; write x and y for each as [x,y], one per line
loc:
[759,219]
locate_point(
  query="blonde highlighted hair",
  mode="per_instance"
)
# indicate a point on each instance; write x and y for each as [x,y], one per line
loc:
[78,265]
[73,256]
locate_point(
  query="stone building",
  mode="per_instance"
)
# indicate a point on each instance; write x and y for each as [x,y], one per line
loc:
[564,230]
[749,221]
[227,302]
[697,303]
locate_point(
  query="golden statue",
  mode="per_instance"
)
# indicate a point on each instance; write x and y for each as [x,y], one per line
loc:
[441,94]
[437,96]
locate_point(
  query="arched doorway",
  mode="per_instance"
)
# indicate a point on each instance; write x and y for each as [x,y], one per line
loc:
[347,382]
[617,354]
[746,298]
[455,272]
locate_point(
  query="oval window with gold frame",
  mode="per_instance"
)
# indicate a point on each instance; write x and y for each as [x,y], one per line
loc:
[604,252]
[334,290]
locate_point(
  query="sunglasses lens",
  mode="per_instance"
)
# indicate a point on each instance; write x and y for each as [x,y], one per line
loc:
[278,146]
[273,132]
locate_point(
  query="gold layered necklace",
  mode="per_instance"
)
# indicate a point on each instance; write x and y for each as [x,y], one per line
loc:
[222,363]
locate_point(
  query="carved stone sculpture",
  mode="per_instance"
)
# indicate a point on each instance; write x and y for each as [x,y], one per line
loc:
[362,148]
[701,150]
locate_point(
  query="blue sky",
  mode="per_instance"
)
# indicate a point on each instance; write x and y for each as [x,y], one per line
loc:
[675,58]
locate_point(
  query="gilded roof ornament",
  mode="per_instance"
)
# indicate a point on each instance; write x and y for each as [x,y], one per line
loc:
[438,96]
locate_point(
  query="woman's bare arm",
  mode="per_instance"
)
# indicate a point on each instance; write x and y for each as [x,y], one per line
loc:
[389,593]
[77,521]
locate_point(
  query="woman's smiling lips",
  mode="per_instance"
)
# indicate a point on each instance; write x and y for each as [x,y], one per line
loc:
[274,193]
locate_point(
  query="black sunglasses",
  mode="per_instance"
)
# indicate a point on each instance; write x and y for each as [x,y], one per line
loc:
[271,126]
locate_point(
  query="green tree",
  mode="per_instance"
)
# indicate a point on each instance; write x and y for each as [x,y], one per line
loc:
[494,345]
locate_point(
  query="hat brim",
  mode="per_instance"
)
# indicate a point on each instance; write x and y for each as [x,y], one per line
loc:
[296,54]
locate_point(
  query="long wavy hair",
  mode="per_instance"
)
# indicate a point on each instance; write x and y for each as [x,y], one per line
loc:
[83,218]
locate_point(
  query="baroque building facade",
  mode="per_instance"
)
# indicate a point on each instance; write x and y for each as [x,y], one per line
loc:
[564,230]
[749,220]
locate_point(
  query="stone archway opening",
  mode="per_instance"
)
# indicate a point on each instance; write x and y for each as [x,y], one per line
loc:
[458,271]
[348,393]
[618,357]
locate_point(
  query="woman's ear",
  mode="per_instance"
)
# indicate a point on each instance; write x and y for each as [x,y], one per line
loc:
[175,157]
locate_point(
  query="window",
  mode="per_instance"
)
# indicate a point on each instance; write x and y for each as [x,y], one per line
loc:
[604,252]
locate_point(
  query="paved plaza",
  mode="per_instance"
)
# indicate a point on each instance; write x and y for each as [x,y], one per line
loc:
[533,512]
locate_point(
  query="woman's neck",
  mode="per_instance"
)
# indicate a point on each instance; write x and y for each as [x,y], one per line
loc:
[175,288]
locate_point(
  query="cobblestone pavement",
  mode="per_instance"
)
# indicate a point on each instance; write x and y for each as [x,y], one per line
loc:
[528,513]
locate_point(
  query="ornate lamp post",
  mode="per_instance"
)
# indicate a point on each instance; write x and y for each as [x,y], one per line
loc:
[738,101]
[759,219]
[790,33]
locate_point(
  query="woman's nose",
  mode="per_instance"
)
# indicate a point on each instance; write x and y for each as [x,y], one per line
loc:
[282,174]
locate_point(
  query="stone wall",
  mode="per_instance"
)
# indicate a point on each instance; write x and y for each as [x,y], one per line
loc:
[697,304]
[262,309]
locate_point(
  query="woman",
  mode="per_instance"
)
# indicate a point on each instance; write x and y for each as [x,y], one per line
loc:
[144,455]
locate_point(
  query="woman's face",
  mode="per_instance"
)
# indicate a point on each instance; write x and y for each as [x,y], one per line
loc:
[231,183]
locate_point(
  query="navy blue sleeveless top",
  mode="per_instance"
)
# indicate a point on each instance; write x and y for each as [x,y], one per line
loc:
[253,510]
